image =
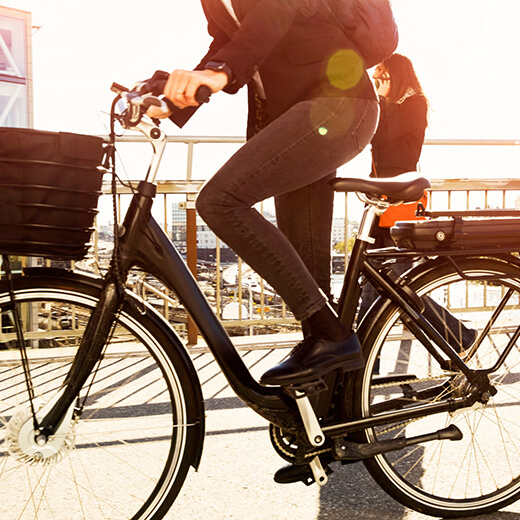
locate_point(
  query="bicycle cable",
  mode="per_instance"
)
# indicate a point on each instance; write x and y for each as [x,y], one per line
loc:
[116,255]
[81,405]
[13,309]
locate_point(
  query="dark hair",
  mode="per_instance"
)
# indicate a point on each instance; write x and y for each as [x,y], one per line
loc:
[403,78]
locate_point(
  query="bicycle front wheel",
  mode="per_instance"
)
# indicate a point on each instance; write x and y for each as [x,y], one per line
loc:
[123,452]
[479,305]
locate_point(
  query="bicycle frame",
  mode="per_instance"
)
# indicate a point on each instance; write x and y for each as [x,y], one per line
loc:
[144,244]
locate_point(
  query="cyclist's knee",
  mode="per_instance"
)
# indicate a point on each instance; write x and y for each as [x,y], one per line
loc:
[216,201]
[209,202]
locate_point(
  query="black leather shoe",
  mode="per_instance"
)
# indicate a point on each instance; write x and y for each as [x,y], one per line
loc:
[314,357]
[294,473]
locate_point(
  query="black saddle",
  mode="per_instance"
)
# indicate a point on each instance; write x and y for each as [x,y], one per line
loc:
[407,187]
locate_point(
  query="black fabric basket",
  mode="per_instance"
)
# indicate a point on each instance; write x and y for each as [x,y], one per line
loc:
[50,183]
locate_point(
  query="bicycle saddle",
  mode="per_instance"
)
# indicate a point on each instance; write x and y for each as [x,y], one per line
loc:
[407,187]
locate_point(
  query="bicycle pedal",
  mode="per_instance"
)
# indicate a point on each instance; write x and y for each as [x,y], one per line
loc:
[300,473]
[306,389]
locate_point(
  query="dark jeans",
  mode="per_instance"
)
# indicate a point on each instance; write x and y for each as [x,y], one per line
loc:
[305,217]
[291,160]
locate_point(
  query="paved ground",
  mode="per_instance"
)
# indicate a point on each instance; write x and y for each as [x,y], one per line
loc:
[234,480]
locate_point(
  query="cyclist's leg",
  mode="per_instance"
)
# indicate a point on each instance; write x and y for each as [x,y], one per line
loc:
[305,218]
[299,148]
[287,156]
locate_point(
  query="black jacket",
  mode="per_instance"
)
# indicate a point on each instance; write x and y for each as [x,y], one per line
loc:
[398,141]
[299,54]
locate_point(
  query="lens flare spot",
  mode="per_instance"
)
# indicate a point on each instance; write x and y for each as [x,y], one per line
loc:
[345,69]
[322,130]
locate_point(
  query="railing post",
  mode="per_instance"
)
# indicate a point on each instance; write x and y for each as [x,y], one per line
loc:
[191,255]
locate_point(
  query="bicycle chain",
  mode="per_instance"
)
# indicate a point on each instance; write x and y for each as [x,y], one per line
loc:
[409,421]
[415,380]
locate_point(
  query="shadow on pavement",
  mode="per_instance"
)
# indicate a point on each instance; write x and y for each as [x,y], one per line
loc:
[351,493]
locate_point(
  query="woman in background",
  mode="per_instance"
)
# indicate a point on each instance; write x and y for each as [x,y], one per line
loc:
[396,149]
[398,141]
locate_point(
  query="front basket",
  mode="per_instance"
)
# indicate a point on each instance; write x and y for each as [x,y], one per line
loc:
[50,183]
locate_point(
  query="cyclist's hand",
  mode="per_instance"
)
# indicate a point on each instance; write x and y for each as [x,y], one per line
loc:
[183,84]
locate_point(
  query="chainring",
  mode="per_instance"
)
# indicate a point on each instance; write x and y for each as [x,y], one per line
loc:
[291,449]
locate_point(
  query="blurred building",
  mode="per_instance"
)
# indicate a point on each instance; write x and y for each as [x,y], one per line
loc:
[16,80]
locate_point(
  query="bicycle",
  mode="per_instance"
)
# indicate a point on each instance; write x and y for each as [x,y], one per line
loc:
[428,422]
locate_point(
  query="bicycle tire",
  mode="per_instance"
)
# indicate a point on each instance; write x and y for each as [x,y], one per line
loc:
[128,454]
[451,479]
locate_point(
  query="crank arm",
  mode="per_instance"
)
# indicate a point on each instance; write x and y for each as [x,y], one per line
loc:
[310,421]
[301,394]
[345,450]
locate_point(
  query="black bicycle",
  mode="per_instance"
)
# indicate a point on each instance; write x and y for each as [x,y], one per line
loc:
[101,410]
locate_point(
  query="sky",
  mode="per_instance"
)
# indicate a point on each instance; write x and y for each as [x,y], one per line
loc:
[464,52]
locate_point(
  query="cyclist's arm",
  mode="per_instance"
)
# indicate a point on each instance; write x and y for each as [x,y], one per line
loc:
[260,31]
[180,116]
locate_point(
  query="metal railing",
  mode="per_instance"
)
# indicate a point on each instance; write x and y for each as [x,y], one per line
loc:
[445,194]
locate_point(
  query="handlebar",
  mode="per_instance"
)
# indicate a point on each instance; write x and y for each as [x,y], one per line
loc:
[146,94]
[130,106]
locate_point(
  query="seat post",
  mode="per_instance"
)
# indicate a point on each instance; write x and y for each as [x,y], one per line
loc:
[351,290]
[370,213]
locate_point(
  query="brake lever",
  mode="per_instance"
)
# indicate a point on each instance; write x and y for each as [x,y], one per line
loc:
[118,89]
[138,105]
[141,97]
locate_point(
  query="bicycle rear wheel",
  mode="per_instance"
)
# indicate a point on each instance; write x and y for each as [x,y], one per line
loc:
[126,453]
[480,473]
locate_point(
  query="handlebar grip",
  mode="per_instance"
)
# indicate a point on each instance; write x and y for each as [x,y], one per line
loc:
[156,84]
[203,94]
